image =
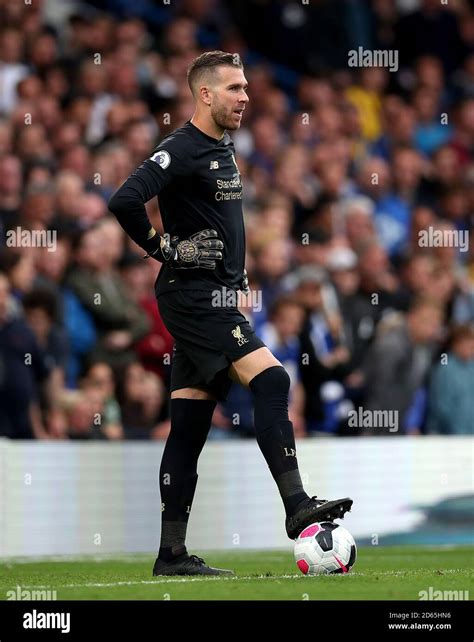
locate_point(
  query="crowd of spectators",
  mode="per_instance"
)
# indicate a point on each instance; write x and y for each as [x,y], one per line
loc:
[343,170]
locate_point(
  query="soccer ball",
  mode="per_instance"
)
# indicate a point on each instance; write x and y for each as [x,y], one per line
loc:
[325,548]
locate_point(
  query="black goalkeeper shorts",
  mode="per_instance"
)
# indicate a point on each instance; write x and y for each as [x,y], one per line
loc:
[207,340]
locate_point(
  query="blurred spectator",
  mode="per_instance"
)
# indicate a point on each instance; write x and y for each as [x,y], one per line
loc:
[417,274]
[379,283]
[156,347]
[142,401]
[398,361]
[82,412]
[19,269]
[272,262]
[356,312]
[41,315]
[99,378]
[463,131]
[76,321]
[430,132]
[366,96]
[281,335]
[13,69]
[10,193]
[431,29]
[357,221]
[450,404]
[120,323]
[23,372]
[324,354]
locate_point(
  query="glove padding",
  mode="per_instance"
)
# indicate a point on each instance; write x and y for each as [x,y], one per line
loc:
[201,250]
[244,284]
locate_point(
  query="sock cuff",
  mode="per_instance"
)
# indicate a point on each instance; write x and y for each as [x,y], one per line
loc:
[172,533]
[289,483]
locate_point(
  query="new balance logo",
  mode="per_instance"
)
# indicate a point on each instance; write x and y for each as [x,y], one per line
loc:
[290,452]
[214,165]
[237,334]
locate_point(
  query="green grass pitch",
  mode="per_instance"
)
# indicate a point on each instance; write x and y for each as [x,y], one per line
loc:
[379,574]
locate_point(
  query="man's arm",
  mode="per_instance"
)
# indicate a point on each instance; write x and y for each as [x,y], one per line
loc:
[128,204]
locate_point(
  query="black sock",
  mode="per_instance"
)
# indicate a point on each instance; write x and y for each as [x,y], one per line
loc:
[275,435]
[190,423]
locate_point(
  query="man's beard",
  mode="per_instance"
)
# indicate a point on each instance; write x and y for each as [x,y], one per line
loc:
[223,119]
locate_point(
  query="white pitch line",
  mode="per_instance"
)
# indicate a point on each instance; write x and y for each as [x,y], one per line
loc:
[172,580]
[165,580]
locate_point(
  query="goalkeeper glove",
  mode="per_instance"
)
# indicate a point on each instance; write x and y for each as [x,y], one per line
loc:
[244,284]
[201,250]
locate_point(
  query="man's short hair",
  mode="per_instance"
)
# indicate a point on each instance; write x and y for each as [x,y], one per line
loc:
[208,62]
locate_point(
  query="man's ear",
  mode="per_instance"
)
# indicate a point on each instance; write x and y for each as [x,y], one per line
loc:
[205,95]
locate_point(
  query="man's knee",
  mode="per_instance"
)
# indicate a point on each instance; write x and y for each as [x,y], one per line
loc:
[272,381]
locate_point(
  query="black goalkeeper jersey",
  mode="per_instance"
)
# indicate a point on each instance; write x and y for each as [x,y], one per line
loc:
[199,187]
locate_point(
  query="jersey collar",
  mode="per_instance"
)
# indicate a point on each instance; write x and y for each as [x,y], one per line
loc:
[211,139]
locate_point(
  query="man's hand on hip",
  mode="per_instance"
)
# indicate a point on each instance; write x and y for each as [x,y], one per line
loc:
[201,250]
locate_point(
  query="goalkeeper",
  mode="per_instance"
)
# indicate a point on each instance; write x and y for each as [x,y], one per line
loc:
[194,173]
